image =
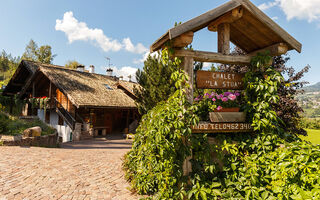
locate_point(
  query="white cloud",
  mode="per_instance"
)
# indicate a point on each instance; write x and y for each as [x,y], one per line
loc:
[268,5]
[125,72]
[274,18]
[76,30]
[301,9]
[207,65]
[144,57]
[140,49]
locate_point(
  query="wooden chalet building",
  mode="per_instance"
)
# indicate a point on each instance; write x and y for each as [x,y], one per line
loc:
[81,104]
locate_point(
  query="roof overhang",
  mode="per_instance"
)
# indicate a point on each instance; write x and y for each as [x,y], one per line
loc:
[252,32]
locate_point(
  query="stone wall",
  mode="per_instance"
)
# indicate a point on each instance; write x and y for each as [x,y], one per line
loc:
[40,141]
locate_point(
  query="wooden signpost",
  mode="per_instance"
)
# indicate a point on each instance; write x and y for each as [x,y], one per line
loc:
[219,80]
[222,122]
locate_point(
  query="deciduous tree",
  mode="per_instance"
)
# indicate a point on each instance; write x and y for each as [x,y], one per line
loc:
[41,54]
[72,64]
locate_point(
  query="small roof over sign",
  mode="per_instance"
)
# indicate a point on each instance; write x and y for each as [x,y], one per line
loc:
[251,32]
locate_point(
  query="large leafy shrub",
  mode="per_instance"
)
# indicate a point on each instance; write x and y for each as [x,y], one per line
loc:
[3,123]
[155,162]
[268,163]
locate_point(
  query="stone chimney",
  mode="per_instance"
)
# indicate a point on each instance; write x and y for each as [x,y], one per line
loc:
[80,68]
[109,72]
[91,70]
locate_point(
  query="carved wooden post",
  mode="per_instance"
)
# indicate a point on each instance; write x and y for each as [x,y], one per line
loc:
[50,90]
[224,38]
[187,64]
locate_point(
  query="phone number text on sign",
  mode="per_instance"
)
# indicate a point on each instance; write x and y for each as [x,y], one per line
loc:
[205,127]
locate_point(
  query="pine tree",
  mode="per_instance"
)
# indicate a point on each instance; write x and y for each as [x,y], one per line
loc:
[155,83]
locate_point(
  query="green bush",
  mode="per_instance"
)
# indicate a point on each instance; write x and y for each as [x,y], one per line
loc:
[310,123]
[3,123]
[265,164]
[255,168]
[15,126]
[159,148]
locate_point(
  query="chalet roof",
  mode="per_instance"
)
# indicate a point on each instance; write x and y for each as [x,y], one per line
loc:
[252,32]
[85,89]
[19,78]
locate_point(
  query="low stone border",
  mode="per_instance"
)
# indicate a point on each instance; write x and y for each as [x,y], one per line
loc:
[51,140]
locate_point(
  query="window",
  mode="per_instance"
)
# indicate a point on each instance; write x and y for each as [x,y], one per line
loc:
[108,87]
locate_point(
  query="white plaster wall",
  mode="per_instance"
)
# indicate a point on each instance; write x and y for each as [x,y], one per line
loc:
[40,114]
[54,118]
[64,130]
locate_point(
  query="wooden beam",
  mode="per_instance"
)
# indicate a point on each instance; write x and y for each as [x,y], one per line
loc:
[203,56]
[228,18]
[194,24]
[50,89]
[274,50]
[33,89]
[158,44]
[183,40]
[10,93]
[17,84]
[224,38]
[203,20]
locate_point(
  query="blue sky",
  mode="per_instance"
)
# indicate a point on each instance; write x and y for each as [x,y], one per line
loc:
[123,30]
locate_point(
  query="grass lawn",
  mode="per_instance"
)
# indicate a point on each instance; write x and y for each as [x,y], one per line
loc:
[12,125]
[313,136]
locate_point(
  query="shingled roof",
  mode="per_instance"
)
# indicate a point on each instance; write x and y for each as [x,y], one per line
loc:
[85,89]
[253,31]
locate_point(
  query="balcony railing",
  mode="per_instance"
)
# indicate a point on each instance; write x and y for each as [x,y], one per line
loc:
[64,114]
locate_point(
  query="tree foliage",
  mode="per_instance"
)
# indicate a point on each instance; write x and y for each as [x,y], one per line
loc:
[41,54]
[154,81]
[287,107]
[72,64]
[269,163]
[155,162]
[8,65]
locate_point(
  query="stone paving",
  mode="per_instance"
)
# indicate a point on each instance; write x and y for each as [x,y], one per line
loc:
[80,170]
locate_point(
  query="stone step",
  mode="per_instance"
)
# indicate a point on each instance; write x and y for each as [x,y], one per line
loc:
[82,137]
[85,135]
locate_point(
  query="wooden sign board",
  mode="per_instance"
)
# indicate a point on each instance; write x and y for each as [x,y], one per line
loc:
[221,127]
[219,80]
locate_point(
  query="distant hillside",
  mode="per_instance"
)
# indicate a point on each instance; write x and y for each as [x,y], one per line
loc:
[313,88]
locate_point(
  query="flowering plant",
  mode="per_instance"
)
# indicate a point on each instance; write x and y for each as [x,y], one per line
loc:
[210,102]
[42,102]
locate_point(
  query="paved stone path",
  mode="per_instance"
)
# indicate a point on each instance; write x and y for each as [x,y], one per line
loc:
[80,170]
